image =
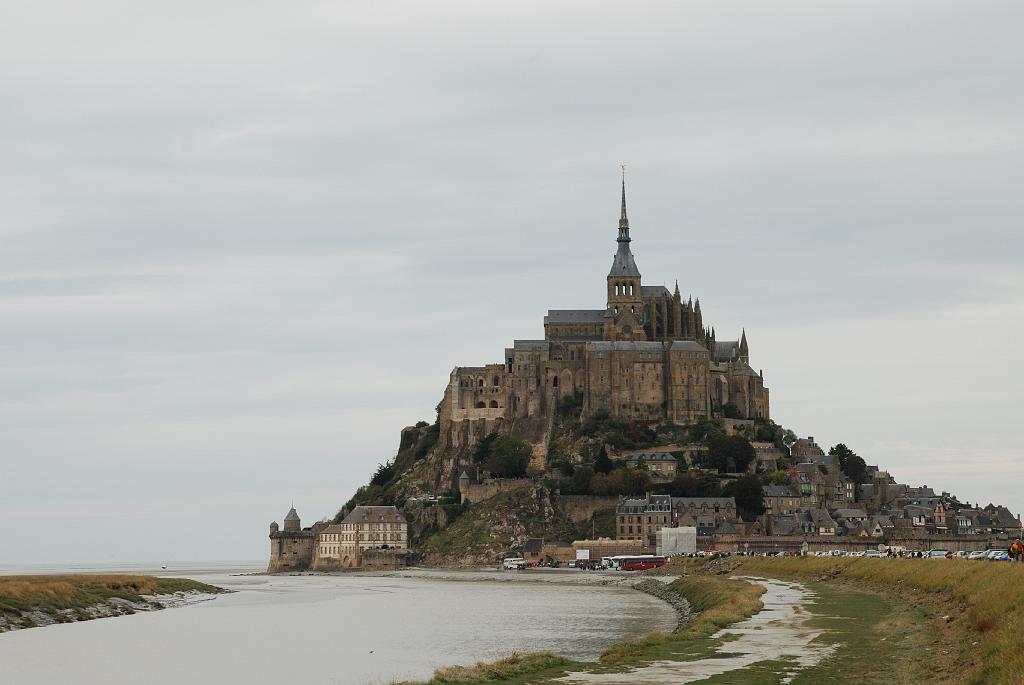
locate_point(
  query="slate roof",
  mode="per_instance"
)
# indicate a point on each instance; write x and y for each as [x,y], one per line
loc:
[574,316]
[784,524]
[627,346]
[851,513]
[821,519]
[374,514]
[292,515]
[778,491]
[698,502]
[632,506]
[530,345]
[651,456]
[623,264]
[654,291]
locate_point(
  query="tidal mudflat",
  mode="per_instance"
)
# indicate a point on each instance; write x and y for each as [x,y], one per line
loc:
[339,629]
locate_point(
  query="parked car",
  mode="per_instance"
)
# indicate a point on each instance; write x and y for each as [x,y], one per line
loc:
[938,554]
[872,553]
[978,554]
[992,553]
[515,564]
[1000,555]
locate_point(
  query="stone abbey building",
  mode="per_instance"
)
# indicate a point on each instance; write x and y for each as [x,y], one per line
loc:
[647,355]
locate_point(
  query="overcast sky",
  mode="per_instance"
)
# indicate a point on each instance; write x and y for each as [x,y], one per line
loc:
[244,243]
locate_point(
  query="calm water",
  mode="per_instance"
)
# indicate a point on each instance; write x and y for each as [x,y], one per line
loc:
[333,629]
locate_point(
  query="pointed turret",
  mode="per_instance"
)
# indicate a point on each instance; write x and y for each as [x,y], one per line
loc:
[698,321]
[744,350]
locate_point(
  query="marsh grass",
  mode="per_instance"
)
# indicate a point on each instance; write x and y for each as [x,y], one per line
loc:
[51,593]
[973,611]
[515,668]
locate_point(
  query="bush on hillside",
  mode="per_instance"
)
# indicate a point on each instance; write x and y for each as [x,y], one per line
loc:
[508,456]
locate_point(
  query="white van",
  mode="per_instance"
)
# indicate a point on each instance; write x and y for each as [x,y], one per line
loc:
[514,564]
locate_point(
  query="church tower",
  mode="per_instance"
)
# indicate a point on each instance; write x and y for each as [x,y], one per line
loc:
[625,303]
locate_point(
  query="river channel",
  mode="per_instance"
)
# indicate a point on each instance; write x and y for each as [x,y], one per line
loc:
[338,630]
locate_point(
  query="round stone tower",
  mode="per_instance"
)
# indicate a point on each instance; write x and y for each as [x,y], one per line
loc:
[274,527]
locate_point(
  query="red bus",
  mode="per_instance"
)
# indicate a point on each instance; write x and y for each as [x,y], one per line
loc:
[638,563]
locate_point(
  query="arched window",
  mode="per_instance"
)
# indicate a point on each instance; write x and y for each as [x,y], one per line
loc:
[481,405]
[496,381]
[481,382]
[494,404]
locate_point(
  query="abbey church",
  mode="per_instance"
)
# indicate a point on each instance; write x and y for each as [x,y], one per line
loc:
[645,356]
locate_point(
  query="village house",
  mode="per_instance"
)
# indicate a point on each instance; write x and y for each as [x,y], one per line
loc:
[805,448]
[345,545]
[640,519]
[660,466]
[780,499]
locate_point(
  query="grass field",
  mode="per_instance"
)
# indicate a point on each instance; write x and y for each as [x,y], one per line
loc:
[51,593]
[963,621]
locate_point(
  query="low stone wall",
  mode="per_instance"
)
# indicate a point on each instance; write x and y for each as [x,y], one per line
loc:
[824,543]
[476,492]
[383,560]
[665,593]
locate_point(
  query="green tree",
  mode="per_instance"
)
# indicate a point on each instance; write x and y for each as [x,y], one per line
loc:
[509,456]
[703,429]
[850,462]
[603,463]
[383,475]
[748,494]
[694,484]
[780,478]
[731,453]
[581,480]
[483,448]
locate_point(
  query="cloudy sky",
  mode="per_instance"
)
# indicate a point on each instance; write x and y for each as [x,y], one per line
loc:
[244,243]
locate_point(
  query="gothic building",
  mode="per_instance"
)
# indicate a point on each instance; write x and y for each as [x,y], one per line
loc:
[647,355]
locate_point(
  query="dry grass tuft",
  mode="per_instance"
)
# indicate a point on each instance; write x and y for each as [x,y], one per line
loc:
[503,669]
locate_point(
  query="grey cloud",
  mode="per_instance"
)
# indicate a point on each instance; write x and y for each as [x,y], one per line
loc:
[244,243]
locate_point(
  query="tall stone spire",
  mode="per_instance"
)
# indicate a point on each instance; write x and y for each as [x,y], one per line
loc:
[623,218]
[624,265]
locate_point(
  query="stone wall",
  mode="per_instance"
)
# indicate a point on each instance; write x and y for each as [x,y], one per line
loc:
[476,492]
[382,560]
[824,543]
[291,551]
[580,508]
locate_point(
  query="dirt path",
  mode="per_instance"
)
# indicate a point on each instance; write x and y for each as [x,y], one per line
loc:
[777,633]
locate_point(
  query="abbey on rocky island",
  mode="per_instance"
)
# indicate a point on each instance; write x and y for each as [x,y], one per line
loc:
[646,356]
